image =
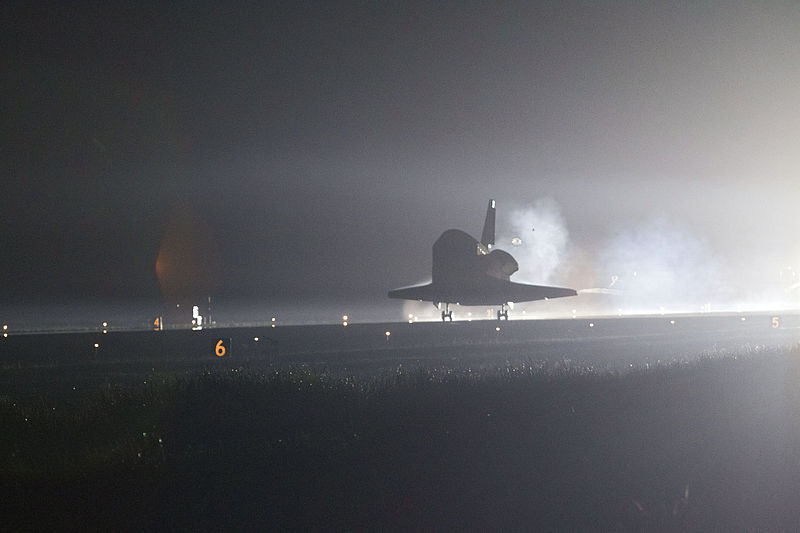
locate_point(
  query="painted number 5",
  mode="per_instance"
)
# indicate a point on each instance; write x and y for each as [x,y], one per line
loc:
[776,322]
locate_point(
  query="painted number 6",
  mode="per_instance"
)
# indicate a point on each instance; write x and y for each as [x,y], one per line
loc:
[220,350]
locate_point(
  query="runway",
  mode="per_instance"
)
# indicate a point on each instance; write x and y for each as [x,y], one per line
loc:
[613,342]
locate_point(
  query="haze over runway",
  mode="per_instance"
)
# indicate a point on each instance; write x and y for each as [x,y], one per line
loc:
[303,152]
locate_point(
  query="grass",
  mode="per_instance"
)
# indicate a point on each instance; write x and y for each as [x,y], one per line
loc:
[710,444]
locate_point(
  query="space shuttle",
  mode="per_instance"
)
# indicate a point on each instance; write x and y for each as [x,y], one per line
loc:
[471,272]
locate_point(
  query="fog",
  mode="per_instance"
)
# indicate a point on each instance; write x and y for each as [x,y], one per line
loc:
[321,150]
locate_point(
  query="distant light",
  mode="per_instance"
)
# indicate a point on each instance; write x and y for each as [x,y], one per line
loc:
[497,328]
[5,334]
[388,333]
[344,323]
[255,339]
[743,319]
[591,324]
[105,331]
[5,327]
[410,316]
[273,319]
[344,317]
[410,320]
[516,241]
[672,322]
[105,324]
[96,345]
[273,325]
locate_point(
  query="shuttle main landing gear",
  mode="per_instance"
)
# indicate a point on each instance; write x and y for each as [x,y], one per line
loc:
[502,312]
[447,313]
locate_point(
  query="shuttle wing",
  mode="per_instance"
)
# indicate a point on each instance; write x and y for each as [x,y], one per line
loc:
[484,291]
[520,292]
[415,292]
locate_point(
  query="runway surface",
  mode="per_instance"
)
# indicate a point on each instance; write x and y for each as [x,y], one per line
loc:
[613,342]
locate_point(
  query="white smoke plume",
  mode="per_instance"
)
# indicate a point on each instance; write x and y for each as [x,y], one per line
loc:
[542,242]
[660,264]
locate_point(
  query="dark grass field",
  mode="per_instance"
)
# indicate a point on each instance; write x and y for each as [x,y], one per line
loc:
[711,444]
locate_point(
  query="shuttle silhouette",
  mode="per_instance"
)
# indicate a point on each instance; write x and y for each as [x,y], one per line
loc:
[469,272]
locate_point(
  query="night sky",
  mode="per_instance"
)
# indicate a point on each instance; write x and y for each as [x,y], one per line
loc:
[298,151]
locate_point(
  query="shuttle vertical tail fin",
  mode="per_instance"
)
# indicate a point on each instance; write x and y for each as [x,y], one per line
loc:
[487,237]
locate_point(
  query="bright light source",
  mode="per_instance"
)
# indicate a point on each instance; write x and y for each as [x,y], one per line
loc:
[273,319]
[672,322]
[388,333]
[255,339]
[96,345]
[5,335]
[105,324]
[591,324]
[410,316]
[497,328]
[105,331]
[344,323]
[5,327]
[743,319]
[344,317]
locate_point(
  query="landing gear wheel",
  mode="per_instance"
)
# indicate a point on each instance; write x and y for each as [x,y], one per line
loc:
[502,313]
[447,313]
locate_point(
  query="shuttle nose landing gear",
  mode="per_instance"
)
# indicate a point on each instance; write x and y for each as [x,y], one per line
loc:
[447,313]
[502,312]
